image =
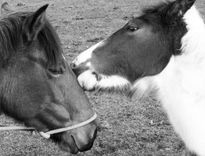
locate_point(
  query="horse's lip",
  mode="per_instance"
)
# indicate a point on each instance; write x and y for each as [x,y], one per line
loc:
[98,76]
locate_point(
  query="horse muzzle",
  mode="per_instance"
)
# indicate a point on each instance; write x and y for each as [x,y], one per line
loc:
[79,140]
[86,77]
[84,137]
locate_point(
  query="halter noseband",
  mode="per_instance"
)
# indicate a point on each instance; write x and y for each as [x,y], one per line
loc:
[49,133]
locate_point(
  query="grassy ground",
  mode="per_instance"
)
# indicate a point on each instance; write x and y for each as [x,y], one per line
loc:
[128,127]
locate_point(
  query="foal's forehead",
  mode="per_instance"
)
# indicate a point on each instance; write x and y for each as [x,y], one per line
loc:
[150,14]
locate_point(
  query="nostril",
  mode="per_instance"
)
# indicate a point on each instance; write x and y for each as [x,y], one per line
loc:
[94,135]
[73,65]
[78,69]
[85,137]
[75,69]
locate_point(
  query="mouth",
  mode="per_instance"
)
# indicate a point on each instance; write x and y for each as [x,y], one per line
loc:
[90,80]
[76,141]
[73,147]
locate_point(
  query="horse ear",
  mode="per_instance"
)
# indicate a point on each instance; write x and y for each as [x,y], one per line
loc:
[34,23]
[178,8]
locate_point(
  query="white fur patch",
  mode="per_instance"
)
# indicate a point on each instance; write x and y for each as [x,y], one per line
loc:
[88,81]
[143,86]
[113,81]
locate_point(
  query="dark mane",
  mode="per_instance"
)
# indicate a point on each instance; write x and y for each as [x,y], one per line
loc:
[173,26]
[155,9]
[11,42]
[156,14]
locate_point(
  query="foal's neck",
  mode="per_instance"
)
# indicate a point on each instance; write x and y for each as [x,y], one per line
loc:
[191,62]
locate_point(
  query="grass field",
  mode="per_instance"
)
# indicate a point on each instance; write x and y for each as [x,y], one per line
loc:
[127,127]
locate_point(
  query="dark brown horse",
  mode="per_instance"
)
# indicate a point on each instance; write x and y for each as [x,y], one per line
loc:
[37,87]
[162,48]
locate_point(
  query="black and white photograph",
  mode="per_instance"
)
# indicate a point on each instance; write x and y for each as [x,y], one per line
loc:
[102,77]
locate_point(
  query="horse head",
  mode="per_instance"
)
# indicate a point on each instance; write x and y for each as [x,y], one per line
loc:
[37,86]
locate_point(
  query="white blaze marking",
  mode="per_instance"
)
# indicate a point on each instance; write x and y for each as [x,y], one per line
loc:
[86,55]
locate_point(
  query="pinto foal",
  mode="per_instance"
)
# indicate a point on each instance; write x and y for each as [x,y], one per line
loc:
[163,48]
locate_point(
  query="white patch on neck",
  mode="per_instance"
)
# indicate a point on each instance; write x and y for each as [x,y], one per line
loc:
[181,85]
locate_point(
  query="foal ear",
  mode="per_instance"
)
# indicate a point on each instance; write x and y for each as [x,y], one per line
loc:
[178,8]
[34,23]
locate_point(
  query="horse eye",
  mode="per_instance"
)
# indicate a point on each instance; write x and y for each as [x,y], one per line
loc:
[132,28]
[55,73]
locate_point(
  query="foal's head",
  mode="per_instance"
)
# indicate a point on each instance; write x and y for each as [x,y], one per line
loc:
[37,87]
[141,48]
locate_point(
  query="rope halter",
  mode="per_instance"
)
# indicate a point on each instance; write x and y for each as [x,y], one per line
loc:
[55,131]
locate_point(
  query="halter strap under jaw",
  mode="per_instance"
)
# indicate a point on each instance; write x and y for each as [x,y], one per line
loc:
[49,133]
